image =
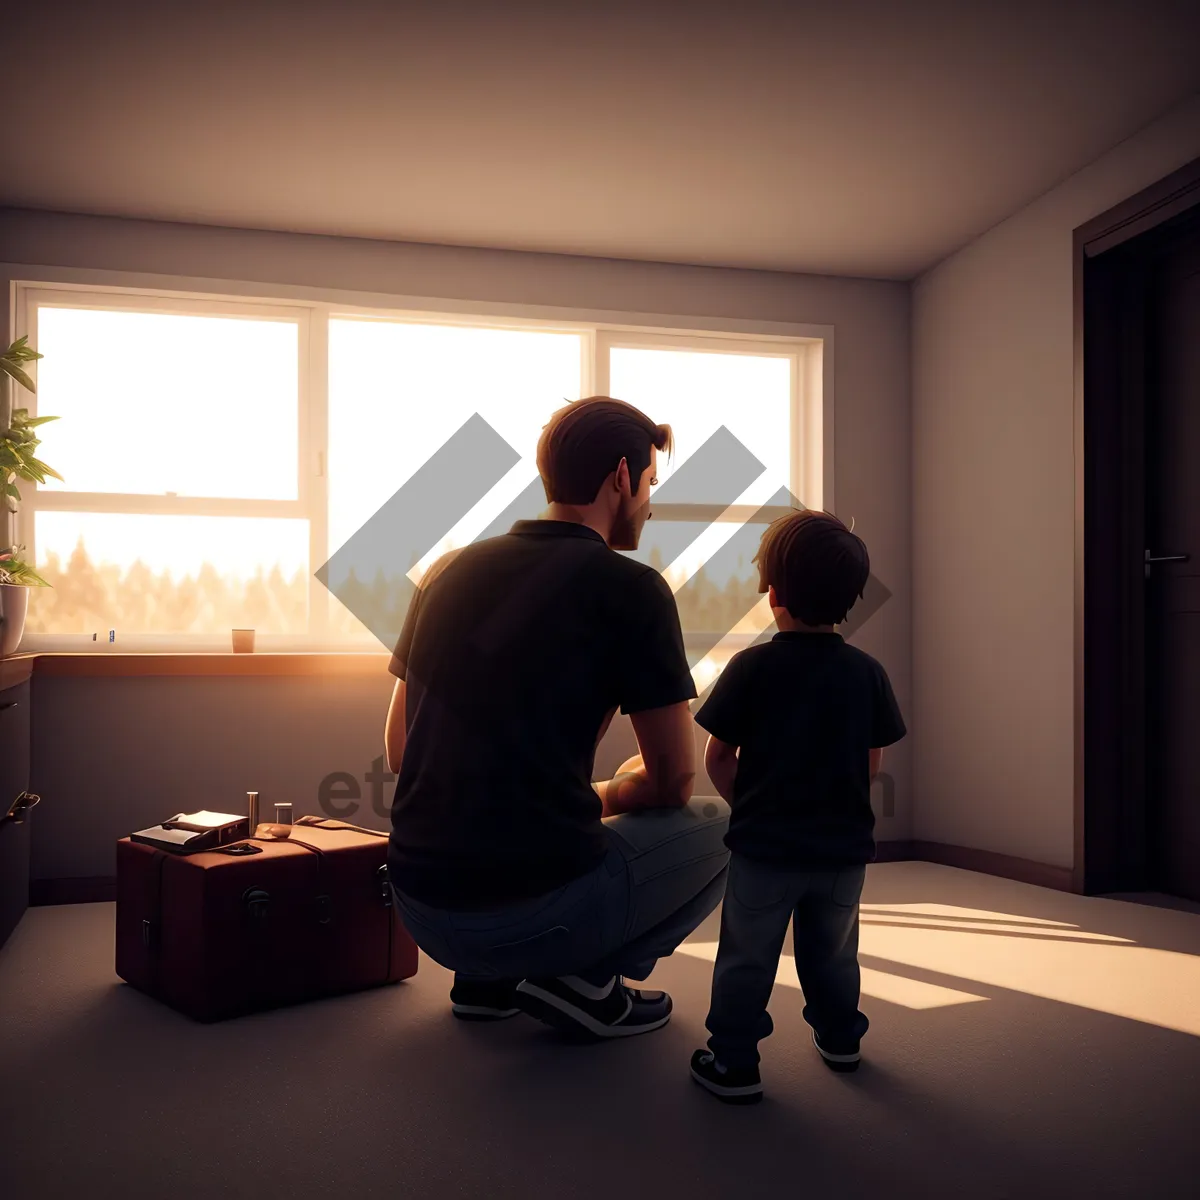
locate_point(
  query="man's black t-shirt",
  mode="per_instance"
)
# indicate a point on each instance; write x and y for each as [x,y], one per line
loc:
[514,651]
[805,709]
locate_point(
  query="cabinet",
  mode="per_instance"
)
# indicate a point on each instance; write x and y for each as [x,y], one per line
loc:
[14,779]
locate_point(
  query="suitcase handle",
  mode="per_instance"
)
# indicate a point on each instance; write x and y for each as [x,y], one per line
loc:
[329,823]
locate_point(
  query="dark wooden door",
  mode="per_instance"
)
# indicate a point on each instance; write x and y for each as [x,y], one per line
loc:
[1173,586]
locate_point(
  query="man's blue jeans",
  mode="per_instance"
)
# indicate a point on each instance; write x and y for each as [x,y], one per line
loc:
[761,900]
[664,873]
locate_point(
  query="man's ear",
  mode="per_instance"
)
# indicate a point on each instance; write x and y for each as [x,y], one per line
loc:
[621,478]
[772,599]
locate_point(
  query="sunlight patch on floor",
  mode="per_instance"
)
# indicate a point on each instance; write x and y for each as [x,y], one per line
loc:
[1020,926]
[1052,960]
[895,989]
[954,910]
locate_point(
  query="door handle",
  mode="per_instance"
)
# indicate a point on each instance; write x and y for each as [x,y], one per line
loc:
[19,809]
[1163,558]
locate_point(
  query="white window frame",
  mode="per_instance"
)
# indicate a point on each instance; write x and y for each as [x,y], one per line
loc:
[808,346]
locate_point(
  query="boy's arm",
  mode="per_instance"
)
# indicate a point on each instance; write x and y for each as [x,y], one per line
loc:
[728,711]
[876,759]
[721,763]
[395,733]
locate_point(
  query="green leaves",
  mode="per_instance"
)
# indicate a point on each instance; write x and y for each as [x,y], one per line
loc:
[19,352]
[13,570]
[17,458]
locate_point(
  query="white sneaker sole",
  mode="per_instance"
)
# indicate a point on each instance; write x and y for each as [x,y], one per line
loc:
[834,1058]
[718,1089]
[478,1012]
[554,1010]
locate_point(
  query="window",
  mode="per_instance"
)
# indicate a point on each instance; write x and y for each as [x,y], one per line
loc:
[398,391]
[182,509]
[698,537]
[216,453]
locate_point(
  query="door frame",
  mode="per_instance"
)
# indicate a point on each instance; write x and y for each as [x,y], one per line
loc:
[1111,847]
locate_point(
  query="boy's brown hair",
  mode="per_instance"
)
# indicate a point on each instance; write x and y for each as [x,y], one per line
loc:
[816,565]
[583,443]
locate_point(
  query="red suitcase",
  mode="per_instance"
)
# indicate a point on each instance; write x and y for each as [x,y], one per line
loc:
[216,935]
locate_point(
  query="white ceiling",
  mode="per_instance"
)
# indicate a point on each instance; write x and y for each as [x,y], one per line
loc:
[862,137]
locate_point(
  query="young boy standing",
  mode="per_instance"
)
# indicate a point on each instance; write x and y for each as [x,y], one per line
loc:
[797,725]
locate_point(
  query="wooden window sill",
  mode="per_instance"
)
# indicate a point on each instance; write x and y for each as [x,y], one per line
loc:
[19,667]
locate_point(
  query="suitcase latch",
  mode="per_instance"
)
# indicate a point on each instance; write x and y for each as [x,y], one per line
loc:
[147,934]
[256,902]
[324,910]
[385,886]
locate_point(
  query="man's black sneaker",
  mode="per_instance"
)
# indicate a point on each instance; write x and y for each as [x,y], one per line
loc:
[734,1085]
[844,1058]
[482,1000]
[611,1010]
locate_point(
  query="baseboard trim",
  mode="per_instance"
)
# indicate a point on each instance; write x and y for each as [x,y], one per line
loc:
[90,889]
[988,862]
[897,851]
[99,889]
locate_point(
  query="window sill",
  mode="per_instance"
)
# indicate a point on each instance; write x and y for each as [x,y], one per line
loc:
[19,667]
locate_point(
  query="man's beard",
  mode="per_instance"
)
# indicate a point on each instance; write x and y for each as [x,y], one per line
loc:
[627,530]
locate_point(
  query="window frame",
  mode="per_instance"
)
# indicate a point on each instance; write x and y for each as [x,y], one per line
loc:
[798,463]
[808,346]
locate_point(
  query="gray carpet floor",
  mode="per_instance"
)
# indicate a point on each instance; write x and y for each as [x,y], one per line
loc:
[1025,1044]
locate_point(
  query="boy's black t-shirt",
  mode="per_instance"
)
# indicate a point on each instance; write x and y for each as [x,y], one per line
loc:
[514,651]
[805,709]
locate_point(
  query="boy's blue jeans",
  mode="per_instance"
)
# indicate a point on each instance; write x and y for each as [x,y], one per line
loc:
[664,873]
[822,908]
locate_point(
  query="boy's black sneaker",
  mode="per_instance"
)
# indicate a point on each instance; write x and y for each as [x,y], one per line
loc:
[482,1000]
[841,1058]
[586,1010]
[734,1085]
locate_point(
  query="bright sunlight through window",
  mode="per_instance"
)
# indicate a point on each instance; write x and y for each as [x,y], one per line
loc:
[194,498]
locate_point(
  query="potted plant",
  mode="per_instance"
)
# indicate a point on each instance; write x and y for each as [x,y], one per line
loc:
[17,461]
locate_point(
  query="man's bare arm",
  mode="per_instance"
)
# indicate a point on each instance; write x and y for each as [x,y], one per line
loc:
[395,732]
[667,773]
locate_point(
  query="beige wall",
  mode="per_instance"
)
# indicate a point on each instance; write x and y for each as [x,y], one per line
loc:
[993,575]
[149,747]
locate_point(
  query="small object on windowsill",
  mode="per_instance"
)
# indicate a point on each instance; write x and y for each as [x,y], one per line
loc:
[112,636]
[243,641]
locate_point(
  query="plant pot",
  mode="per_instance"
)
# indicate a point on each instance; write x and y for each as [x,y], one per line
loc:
[14,604]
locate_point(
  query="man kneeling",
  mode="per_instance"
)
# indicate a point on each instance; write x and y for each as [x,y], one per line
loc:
[541,890]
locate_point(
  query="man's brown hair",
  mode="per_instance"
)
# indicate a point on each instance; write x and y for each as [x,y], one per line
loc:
[816,565]
[583,443]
